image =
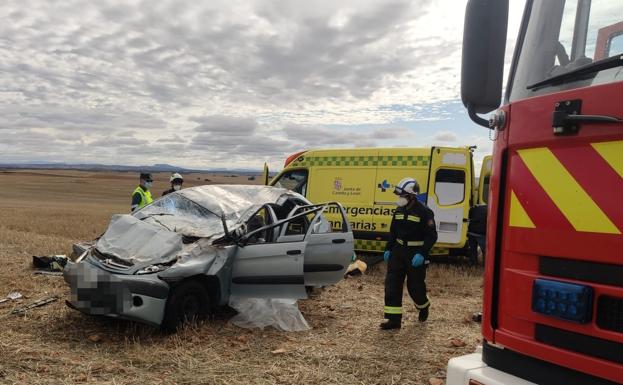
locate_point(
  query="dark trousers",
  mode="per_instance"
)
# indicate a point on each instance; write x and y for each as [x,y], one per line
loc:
[474,241]
[399,267]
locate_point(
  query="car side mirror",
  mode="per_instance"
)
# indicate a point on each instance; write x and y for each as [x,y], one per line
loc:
[482,69]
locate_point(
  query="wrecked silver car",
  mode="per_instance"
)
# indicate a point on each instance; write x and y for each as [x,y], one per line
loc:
[189,251]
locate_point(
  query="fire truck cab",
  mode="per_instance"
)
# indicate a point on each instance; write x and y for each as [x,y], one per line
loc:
[553,292]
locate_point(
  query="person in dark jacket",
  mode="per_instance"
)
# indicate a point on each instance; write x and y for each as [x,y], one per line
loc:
[412,235]
[477,232]
[176,184]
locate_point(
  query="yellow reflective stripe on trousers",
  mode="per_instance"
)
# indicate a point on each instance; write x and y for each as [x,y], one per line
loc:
[413,218]
[427,304]
[393,309]
[410,243]
[399,216]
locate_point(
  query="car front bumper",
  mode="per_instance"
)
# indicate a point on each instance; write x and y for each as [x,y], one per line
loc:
[98,292]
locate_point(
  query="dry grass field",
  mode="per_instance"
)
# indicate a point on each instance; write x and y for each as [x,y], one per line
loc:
[44,212]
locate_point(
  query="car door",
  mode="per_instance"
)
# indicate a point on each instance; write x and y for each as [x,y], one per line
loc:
[328,252]
[269,269]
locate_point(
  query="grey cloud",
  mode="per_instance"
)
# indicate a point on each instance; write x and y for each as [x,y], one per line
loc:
[226,125]
[347,137]
[391,133]
[68,118]
[117,142]
[446,136]
[111,74]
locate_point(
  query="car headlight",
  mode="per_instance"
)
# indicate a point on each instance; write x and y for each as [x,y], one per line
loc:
[152,269]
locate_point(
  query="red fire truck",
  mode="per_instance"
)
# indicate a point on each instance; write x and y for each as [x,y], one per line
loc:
[553,294]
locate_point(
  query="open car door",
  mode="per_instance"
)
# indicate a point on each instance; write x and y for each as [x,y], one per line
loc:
[265,268]
[449,193]
[329,251]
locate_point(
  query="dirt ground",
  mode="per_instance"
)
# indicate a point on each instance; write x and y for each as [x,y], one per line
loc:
[44,212]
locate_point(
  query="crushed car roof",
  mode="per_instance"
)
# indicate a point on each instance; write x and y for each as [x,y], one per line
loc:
[233,200]
[155,232]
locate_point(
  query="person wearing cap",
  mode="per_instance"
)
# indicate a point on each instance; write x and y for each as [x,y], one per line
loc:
[176,184]
[142,195]
[412,235]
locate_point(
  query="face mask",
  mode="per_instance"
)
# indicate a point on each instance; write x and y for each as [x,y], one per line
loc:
[177,187]
[148,185]
[402,201]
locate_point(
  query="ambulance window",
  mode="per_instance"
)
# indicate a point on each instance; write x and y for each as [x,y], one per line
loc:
[295,180]
[615,44]
[485,189]
[449,186]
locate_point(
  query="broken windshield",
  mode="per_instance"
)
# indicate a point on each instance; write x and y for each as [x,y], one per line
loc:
[177,213]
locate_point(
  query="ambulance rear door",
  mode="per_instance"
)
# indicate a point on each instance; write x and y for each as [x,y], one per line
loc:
[449,193]
[483,181]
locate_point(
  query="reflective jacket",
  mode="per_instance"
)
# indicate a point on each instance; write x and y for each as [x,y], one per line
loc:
[145,198]
[413,226]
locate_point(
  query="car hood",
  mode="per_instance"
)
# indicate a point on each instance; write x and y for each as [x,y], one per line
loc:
[134,241]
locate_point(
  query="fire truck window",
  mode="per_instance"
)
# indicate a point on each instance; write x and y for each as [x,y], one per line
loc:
[295,180]
[562,36]
[449,186]
[485,189]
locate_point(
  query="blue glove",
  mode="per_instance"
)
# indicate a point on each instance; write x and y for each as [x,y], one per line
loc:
[386,255]
[418,260]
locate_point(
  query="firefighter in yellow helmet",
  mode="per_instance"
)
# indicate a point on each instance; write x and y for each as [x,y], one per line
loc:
[176,183]
[412,234]
[142,194]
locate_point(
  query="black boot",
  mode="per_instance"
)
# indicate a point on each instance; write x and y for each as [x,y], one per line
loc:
[423,316]
[390,324]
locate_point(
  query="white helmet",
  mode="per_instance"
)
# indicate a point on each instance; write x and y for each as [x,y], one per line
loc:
[407,186]
[176,176]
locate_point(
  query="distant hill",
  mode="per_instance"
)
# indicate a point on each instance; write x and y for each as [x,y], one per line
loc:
[160,167]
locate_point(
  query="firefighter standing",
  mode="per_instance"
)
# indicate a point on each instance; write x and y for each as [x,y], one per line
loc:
[176,184]
[412,235]
[142,195]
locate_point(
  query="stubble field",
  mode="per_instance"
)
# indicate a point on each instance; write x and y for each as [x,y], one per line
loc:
[45,212]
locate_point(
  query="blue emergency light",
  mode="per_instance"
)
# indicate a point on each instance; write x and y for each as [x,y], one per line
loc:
[568,301]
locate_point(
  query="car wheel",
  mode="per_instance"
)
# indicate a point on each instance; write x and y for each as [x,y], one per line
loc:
[188,302]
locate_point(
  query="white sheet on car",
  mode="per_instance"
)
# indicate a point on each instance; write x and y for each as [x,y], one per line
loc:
[133,240]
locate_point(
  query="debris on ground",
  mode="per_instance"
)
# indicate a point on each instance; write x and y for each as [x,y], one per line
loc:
[435,381]
[457,343]
[477,317]
[51,273]
[49,263]
[12,296]
[41,302]
[279,351]
[95,338]
[356,268]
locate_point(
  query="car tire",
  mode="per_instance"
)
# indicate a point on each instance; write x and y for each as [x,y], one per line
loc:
[188,302]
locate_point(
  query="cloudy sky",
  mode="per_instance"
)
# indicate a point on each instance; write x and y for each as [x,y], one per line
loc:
[229,83]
